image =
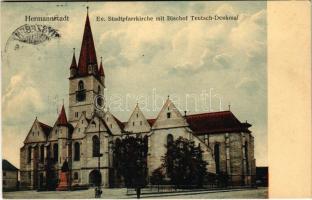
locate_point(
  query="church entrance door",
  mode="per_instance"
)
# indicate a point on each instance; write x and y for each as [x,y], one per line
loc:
[95,178]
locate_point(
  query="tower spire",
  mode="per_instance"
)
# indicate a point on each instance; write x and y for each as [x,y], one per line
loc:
[101,70]
[87,52]
[62,119]
[74,63]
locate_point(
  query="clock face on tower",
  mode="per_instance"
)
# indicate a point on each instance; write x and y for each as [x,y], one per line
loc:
[99,102]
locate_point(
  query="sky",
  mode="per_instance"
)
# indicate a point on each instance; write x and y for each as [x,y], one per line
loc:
[204,66]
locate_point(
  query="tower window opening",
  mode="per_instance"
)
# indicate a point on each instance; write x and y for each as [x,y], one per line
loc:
[81,93]
[80,85]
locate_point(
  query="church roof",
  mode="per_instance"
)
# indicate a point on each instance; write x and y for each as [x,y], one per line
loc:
[87,51]
[213,122]
[151,121]
[7,166]
[46,128]
[62,119]
[216,122]
[120,124]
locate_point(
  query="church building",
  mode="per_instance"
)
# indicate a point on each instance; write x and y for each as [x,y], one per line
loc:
[83,135]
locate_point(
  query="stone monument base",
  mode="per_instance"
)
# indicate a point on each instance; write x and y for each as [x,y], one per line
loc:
[63,185]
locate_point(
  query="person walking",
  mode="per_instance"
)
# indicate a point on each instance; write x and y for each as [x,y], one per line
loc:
[138,192]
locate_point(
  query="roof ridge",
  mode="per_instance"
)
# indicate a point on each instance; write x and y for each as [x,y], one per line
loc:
[209,113]
[41,123]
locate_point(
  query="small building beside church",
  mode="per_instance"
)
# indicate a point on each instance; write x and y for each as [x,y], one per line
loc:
[85,131]
[9,176]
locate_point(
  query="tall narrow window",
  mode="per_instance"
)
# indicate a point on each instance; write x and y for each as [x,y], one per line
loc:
[170,154]
[80,85]
[49,151]
[217,157]
[81,93]
[75,175]
[55,152]
[95,146]
[169,139]
[168,115]
[77,151]
[246,157]
[41,153]
[29,154]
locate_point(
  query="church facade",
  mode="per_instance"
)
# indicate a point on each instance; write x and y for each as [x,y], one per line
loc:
[84,136]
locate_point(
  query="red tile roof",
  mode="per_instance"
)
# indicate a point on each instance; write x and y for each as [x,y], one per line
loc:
[151,121]
[87,51]
[74,63]
[46,128]
[216,122]
[62,119]
[101,70]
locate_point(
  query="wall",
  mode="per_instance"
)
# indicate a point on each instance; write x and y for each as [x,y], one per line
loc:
[9,181]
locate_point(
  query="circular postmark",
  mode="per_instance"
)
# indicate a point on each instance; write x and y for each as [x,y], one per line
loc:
[33,34]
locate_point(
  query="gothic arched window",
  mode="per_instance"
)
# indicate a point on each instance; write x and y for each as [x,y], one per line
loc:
[246,157]
[95,146]
[76,175]
[55,152]
[217,157]
[80,85]
[29,154]
[49,151]
[81,93]
[76,151]
[169,139]
[170,154]
[41,153]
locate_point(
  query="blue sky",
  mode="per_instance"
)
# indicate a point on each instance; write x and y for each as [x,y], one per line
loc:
[180,59]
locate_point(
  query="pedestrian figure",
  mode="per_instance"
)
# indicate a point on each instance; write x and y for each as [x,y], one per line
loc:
[138,192]
[98,192]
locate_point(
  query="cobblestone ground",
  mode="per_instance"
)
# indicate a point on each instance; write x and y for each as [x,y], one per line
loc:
[122,194]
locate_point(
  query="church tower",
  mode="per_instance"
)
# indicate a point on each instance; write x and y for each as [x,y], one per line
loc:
[86,81]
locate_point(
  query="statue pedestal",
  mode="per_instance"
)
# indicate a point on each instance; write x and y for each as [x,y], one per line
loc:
[63,185]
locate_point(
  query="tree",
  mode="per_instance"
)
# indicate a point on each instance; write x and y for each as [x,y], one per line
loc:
[184,163]
[130,160]
[157,177]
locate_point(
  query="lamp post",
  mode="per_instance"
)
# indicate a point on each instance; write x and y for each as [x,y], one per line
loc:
[98,190]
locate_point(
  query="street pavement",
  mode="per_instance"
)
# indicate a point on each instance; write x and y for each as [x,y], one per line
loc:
[121,193]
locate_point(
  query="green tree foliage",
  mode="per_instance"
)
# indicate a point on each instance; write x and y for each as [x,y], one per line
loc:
[184,163]
[130,160]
